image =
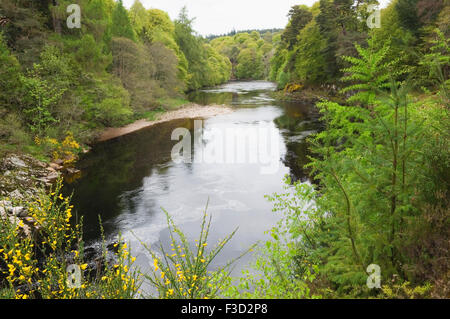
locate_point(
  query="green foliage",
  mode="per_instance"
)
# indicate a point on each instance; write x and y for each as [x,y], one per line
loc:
[121,25]
[249,64]
[380,164]
[35,267]
[205,67]
[369,73]
[117,66]
[299,17]
[408,16]
[437,61]
[315,40]
[111,112]
[41,98]
[370,169]
[249,54]
[404,291]
[310,62]
[9,77]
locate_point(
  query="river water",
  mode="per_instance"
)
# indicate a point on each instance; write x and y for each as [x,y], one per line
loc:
[129,180]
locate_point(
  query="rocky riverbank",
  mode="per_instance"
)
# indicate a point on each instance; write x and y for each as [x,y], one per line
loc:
[311,95]
[22,178]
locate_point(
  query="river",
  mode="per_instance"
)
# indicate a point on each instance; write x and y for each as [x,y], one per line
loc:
[128,180]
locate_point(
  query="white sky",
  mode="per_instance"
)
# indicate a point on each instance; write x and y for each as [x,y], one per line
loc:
[222,16]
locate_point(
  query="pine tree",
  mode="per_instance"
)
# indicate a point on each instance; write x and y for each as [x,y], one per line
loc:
[121,25]
[368,163]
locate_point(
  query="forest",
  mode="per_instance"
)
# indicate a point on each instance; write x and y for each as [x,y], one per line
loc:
[119,66]
[378,196]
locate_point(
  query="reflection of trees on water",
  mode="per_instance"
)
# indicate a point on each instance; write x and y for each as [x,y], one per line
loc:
[228,98]
[296,123]
[119,166]
[235,98]
[205,98]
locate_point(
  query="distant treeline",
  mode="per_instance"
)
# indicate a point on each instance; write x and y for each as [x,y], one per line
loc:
[234,32]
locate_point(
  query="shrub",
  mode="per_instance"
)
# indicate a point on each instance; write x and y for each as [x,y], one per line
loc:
[183,273]
[35,254]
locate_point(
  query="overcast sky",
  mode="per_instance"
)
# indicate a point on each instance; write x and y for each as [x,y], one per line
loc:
[222,16]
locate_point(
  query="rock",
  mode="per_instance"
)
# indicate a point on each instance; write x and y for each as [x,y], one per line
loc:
[40,164]
[55,166]
[2,213]
[52,177]
[14,220]
[50,169]
[59,162]
[5,203]
[19,211]
[16,162]
[26,230]
[16,194]
[72,170]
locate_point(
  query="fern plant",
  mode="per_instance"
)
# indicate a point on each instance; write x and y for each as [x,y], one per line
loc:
[370,73]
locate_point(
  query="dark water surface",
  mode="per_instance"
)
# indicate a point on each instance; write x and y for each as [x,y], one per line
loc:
[128,180]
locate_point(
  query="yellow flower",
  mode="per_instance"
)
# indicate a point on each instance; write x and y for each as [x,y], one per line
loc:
[83,266]
[162,274]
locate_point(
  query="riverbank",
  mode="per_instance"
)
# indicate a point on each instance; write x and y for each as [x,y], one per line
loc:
[188,111]
[311,94]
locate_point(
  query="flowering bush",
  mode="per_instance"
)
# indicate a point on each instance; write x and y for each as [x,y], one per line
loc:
[35,266]
[183,273]
[290,88]
[66,150]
